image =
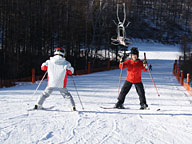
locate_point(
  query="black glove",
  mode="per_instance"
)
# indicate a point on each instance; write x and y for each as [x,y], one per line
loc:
[145,62]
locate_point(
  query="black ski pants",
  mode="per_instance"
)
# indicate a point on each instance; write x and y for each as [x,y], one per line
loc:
[126,88]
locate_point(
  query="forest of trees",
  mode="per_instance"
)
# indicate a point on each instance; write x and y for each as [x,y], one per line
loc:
[31,29]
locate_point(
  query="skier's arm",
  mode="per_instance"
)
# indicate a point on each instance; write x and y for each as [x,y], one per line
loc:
[70,69]
[44,66]
[123,65]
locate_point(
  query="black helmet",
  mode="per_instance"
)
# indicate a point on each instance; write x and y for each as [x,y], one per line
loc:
[135,51]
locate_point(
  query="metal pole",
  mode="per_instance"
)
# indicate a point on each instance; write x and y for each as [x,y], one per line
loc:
[77,92]
[119,82]
[40,83]
[120,77]
[151,76]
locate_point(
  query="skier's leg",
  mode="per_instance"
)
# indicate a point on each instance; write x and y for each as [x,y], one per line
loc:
[44,95]
[64,92]
[125,89]
[141,92]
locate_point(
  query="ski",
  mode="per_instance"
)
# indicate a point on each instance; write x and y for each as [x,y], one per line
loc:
[103,107]
[43,108]
[51,109]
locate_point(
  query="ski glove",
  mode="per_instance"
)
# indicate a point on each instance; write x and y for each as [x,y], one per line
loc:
[120,60]
[145,63]
[69,67]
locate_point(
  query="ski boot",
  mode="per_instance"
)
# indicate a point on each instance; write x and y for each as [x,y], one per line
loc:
[144,107]
[37,107]
[119,105]
[74,108]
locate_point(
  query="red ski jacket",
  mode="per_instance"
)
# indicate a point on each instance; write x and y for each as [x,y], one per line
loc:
[134,70]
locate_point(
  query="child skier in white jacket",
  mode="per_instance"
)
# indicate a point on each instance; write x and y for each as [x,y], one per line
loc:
[58,68]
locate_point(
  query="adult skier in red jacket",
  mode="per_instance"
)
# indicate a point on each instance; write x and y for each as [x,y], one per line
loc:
[134,69]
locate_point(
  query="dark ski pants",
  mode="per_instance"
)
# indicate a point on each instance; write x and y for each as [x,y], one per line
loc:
[126,88]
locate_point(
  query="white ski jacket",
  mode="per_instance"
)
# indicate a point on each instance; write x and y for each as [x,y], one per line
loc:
[57,68]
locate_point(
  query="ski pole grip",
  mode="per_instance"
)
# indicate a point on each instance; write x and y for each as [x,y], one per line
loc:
[145,60]
[120,60]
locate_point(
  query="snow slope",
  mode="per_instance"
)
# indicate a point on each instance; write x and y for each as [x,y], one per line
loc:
[93,125]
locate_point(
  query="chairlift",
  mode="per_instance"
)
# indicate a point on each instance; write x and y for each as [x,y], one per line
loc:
[121,38]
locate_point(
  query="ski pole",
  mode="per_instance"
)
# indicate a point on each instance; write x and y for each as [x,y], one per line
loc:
[77,92]
[40,83]
[120,78]
[151,76]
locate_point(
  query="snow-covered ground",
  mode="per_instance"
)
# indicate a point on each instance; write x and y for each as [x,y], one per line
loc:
[94,125]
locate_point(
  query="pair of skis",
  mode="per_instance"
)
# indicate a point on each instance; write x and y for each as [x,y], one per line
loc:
[103,107]
[51,108]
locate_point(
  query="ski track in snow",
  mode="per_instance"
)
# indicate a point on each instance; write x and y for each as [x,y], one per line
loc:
[94,125]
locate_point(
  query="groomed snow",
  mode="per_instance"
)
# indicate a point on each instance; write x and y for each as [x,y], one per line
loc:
[93,125]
